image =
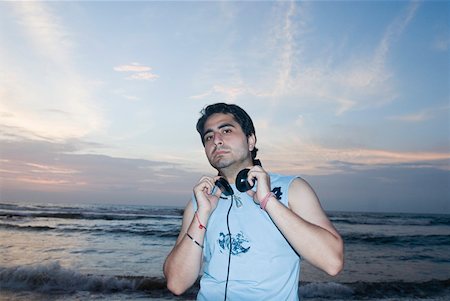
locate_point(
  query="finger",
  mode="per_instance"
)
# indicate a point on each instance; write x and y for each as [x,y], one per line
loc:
[205,184]
[218,192]
[252,176]
[208,185]
[257,168]
[263,179]
[208,180]
[216,178]
[251,193]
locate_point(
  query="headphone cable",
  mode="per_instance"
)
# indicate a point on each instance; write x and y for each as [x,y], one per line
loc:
[229,247]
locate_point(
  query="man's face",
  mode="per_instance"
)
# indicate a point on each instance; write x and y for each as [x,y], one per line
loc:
[225,142]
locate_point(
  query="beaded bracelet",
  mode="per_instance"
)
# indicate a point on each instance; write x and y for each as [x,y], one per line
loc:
[200,226]
[196,242]
[264,201]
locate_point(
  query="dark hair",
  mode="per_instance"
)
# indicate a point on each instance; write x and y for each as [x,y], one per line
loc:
[239,115]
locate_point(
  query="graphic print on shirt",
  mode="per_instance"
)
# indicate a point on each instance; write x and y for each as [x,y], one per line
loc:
[277,192]
[239,244]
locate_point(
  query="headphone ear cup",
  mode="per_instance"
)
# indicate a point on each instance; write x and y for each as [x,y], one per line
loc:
[224,186]
[241,181]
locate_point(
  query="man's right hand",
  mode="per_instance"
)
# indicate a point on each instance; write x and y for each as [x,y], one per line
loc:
[206,200]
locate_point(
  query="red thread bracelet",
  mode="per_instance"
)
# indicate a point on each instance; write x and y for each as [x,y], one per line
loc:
[264,201]
[200,226]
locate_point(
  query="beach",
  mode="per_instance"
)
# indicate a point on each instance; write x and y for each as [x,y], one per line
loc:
[116,252]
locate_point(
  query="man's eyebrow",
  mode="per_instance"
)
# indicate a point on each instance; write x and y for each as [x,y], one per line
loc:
[224,125]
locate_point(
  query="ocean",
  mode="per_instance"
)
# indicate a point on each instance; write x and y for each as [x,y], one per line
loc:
[116,252]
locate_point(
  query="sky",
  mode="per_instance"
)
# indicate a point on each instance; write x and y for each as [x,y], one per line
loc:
[99,100]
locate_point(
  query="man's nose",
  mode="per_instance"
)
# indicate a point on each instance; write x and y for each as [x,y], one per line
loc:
[218,139]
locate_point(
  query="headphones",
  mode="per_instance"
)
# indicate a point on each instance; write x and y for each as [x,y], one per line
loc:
[242,183]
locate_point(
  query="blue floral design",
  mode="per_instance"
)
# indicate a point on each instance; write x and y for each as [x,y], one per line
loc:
[239,244]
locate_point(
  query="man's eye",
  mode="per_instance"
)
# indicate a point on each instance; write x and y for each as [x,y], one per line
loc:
[226,131]
[207,138]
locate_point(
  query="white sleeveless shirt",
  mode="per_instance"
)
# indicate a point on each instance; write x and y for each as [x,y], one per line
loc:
[263,265]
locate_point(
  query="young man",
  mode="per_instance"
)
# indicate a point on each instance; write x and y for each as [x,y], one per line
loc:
[250,243]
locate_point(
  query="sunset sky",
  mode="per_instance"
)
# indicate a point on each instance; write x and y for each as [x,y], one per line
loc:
[99,100]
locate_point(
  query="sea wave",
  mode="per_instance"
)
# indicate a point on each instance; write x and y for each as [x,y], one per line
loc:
[88,212]
[52,278]
[85,216]
[397,219]
[395,289]
[398,240]
[170,231]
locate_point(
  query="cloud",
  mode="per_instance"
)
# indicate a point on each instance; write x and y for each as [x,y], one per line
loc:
[278,43]
[365,180]
[48,168]
[441,43]
[393,32]
[287,53]
[418,117]
[126,94]
[134,67]
[386,188]
[139,72]
[357,83]
[131,97]
[230,93]
[362,81]
[298,70]
[143,76]
[308,158]
[423,115]
[45,31]
[41,90]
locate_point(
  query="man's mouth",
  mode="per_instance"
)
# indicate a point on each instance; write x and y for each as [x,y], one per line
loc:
[219,152]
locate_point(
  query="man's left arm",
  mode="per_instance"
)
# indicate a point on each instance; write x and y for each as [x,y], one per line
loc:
[307,228]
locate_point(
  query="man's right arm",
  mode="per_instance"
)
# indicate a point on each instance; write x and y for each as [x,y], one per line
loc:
[182,265]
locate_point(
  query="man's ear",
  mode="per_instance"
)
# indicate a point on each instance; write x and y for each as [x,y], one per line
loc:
[251,140]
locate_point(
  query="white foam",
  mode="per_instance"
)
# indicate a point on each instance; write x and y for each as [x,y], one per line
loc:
[54,278]
[330,290]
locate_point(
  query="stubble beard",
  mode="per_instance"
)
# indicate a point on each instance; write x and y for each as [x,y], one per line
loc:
[223,164]
[231,160]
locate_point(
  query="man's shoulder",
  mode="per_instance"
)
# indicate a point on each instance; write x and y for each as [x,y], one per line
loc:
[280,185]
[282,179]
